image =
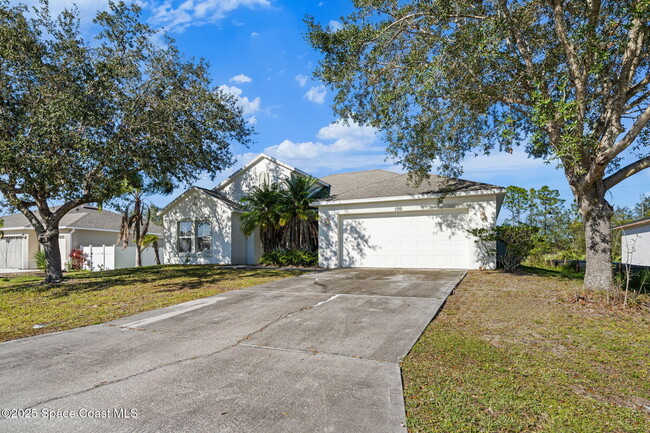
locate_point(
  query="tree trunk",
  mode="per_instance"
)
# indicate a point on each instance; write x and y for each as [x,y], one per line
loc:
[156,254]
[137,220]
[598,239]
[50,242]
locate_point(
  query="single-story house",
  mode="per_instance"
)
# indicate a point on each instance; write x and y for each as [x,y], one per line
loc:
[82,226]
[372,218]
[635,242]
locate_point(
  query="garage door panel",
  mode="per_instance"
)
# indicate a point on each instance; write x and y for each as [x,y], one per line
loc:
[11,252]
[411,241]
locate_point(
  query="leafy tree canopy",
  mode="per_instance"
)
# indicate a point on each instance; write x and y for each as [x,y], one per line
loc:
[568,80]
[80,118]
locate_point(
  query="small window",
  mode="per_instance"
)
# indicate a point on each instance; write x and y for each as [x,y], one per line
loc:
[265,178]
[203,236]
[185,237]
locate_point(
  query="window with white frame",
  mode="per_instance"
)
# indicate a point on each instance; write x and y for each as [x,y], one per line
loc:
[203,236]
[185,237]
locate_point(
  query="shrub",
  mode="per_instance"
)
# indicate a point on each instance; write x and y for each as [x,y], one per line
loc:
[77,259]
[41,263]
[518,241]
[289,258]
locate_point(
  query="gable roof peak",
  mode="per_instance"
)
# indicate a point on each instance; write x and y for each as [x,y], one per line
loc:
[257,159]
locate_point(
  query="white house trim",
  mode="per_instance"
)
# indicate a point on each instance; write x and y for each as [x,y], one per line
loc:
[166,209]
[407,197]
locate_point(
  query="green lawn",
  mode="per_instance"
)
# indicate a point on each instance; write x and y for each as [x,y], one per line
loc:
[515,353]
[87,298]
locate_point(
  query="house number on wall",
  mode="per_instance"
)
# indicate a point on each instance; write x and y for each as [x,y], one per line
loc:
[398,208]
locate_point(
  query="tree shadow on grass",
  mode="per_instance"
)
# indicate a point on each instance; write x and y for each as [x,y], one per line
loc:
[166,277]
[557,273]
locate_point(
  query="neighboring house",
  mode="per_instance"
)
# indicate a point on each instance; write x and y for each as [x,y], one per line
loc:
[372,219]
[83,225]
[635,242]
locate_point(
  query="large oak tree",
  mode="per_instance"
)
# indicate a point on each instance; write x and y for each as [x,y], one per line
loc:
[569,80]
[79,117]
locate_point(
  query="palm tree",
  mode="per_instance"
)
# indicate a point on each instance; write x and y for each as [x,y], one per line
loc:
[150,239]
[262,210]
[136,221]
[298,219]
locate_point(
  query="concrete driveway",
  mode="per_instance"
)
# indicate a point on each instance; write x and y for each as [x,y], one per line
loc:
[314,353]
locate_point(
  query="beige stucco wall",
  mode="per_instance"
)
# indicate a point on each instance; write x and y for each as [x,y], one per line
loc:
[93,237]
[196,206]
[331,217]
[69,239]
[30,245]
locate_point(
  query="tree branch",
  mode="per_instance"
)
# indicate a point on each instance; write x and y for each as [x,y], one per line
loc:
[637,87]
[522,46]
[66,207]
[640,123]
[626,172]
[578,76]
[23,207]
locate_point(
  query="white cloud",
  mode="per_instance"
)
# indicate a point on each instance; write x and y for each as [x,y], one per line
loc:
[334,25]
[290,150]
[241,79]
[340,129]
[252,120]
[173,15]
[339,146]
[248,106]
[302,80]
[255,35]
[176,16]
[316,94]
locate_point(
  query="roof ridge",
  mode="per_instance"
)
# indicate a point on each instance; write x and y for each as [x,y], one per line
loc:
[80,216]
[374,183]
[360,171]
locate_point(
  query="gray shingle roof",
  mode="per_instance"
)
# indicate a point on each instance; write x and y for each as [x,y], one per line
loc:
[82,217]
[383,183]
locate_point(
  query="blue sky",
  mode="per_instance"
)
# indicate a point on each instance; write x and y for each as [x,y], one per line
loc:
[257,51]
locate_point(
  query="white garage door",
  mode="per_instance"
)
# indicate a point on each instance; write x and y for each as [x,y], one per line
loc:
[11,253]
[406,241]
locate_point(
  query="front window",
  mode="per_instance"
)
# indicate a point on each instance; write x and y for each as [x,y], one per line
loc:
[203,236]
[185,237]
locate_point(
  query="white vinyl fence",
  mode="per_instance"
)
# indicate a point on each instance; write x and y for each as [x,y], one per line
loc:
[114,257]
